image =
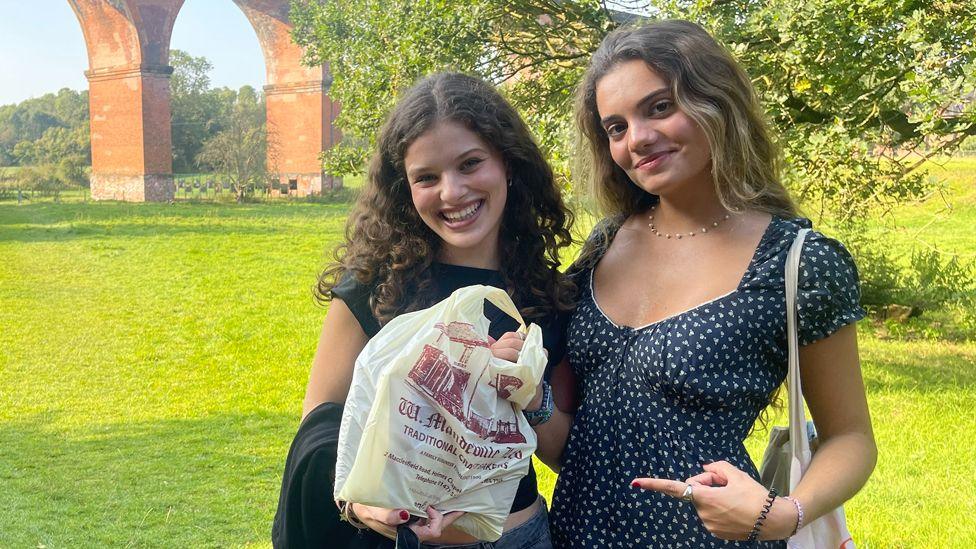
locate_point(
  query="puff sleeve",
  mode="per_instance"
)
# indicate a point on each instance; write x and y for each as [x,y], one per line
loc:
[829,292]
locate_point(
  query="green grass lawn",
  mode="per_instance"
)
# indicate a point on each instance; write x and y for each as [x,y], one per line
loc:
[153,360]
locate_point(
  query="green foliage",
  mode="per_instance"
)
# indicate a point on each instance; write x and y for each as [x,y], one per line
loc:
[852,87]
[931,279]
[44,129]
[51,178]
[55,144]
[376,49]
[199,112]
[239,150]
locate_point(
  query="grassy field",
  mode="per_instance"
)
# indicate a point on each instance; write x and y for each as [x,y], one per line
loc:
[153,360]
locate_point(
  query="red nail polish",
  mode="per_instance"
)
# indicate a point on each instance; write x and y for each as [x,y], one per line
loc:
[404,515]
[635,484]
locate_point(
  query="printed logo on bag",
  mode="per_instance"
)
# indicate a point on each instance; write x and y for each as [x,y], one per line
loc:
[447,384]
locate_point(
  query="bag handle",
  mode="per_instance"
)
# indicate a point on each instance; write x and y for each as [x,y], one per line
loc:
[500,298]
[799,443]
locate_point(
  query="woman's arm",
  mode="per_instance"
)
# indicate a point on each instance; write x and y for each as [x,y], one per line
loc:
[830,373]
[552,434]
[341,341]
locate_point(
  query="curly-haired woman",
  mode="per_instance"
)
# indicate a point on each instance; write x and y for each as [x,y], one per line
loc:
[458,193]
[679,336]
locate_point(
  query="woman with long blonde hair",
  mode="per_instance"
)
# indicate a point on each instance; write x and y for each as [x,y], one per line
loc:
[679,337]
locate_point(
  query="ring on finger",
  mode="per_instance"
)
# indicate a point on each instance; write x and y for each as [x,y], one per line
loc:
[687,495]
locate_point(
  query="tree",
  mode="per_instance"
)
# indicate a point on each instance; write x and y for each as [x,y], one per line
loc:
[50,125]
[238,151]
[196,108]
[55,144]
[860,91]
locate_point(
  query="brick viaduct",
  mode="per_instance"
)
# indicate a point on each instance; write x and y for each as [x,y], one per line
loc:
[128,76]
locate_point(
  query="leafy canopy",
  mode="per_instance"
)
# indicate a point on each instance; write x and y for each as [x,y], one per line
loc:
[860,91]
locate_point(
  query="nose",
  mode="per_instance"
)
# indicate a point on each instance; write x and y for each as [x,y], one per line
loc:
[453,187]
[642,135]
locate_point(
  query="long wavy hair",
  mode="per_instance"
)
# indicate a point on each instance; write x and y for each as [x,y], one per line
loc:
[710,87]
[388,246]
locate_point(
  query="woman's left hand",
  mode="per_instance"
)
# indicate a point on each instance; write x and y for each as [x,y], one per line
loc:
[508,346]
[729,501]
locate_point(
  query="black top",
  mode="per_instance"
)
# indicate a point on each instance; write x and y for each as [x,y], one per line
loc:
[448,278]
[663,399]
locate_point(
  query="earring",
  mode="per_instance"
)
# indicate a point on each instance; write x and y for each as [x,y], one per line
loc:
[509,181]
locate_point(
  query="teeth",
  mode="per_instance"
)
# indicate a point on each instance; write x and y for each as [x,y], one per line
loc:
[463,214]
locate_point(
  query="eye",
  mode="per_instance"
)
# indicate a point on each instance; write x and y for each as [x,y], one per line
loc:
[615,130]
[662,107]
[424,180]
[470,163]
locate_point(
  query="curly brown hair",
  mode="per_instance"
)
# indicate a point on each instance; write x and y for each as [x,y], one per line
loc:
[388,246]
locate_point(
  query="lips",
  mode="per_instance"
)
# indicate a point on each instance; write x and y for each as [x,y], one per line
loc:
[463,214]
[653,160]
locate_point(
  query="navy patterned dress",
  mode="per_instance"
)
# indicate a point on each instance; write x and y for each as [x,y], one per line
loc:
[664,399]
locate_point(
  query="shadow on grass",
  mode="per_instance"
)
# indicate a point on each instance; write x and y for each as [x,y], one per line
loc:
[900,368]
[58,222]
[206,482]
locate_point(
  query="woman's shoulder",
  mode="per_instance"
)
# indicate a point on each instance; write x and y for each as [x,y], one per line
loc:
[822,257]
[782,232]
[595,246]
[350,287]
[357,295]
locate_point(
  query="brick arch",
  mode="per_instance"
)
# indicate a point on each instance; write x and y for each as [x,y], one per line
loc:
[129,98]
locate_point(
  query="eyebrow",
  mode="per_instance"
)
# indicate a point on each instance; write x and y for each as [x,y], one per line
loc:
[644,101]
[412,171]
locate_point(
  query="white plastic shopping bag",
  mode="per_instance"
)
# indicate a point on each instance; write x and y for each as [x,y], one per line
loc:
[432,418]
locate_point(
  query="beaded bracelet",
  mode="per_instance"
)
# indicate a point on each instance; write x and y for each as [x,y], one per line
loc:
[754,534]
[799,513]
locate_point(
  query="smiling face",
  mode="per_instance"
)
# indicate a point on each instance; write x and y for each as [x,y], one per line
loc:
[458,186]
[660,148]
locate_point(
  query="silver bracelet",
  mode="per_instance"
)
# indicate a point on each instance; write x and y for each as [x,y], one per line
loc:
[799,513]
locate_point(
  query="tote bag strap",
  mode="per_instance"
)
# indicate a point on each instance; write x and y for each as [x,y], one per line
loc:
[799,443]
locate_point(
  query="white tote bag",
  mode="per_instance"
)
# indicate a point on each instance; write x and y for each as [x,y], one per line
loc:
[432,418]
[788,454]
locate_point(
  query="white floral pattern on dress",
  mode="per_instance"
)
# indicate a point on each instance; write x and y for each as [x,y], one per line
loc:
[664,399]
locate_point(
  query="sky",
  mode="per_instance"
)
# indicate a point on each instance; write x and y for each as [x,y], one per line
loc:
[42,49]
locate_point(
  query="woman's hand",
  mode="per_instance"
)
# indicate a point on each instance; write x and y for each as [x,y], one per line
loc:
[385,521]
[729,501]
[508,348]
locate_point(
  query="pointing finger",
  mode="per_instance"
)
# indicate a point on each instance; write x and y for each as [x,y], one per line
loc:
[673,488]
